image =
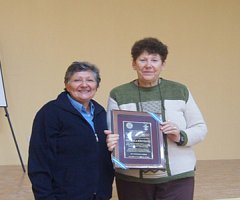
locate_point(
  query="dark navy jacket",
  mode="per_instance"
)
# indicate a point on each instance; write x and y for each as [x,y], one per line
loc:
[66,160]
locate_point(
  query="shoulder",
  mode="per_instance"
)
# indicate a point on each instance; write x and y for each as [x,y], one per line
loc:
[124,88]
[98,107]
[52,106]
[174,90]
[46,110]
[60,100]
[170,83]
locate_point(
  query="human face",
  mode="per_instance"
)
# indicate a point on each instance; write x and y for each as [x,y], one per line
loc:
[148,67]
[82,86]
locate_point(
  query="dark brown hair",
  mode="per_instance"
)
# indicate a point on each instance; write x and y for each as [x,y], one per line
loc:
[150,45]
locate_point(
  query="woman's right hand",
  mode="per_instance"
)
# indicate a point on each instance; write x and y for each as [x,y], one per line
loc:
[112,139]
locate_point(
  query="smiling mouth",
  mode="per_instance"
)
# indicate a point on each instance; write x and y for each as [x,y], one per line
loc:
[84,91]
[148,73]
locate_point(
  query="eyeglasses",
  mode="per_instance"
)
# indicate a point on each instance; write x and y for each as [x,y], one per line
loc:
[82,81]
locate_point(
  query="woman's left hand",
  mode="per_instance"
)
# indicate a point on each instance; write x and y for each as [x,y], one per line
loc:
[171,130]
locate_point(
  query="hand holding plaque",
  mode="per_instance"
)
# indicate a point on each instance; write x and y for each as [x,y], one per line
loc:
[140,142]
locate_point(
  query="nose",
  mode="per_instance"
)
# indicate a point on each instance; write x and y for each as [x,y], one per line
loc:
[83,83]
[149,63]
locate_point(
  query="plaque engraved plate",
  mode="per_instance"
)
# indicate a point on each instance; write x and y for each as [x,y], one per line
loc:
[141,143]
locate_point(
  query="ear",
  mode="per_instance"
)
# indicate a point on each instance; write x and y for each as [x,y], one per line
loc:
[163,65]
[66,87]
[134,65]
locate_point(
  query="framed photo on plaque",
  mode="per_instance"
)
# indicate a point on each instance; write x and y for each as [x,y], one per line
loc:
[141,143]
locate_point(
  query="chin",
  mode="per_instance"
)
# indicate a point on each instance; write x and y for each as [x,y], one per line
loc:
[147,79]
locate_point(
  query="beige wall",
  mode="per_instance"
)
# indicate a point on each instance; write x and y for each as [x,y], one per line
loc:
[40,38]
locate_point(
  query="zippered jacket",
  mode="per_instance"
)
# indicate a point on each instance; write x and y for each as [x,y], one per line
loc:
[66,159]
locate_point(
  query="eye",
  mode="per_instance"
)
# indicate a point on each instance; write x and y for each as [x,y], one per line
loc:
[77,81]
[142,60]
[90,81]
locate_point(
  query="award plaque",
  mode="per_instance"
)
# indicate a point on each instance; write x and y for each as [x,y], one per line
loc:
[140,142]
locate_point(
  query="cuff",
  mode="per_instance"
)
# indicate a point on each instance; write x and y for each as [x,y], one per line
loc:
[183,139]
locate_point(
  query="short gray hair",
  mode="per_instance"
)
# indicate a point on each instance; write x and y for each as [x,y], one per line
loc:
[79,67]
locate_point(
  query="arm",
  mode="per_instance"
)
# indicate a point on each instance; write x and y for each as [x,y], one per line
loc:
[41,158]
[112,139]
[112,105]
[195,127]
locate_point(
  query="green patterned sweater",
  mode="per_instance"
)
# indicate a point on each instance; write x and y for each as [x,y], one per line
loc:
[176,104]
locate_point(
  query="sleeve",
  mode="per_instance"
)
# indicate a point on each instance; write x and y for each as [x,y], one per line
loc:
[41,156]
[112,105]
[196,129]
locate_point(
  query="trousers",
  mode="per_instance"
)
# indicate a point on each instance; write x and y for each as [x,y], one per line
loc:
[180,189]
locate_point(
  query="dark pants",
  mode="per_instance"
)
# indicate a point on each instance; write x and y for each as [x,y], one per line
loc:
[181,189]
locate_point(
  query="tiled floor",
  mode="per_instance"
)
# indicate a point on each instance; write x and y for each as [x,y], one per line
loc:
[218,179]
[214,180]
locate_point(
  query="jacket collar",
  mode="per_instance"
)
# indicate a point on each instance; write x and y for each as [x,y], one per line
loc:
[63,102]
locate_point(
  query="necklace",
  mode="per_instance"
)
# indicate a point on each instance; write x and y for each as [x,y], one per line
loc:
[160,96]
[162,113]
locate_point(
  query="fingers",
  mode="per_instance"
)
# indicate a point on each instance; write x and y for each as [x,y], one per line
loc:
[112,140]
[171,130]
[107,132]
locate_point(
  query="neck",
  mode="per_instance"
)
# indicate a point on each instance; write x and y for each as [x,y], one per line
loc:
[87,106]
[140,83]
[85,103]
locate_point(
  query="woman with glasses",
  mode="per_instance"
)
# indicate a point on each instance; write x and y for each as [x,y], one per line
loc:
[68,155]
